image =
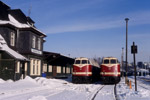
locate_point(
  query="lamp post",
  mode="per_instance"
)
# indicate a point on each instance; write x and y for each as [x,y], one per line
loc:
[126,19]
[122,62]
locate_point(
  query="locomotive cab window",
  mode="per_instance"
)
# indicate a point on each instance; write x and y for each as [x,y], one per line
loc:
[106,61]
[84,61]
[77,62]
[113,61]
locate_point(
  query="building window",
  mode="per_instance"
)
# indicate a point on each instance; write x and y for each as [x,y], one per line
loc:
[18,67]
[12,39]
[45,68]
[58,69]
[33,41]
[64,69]
[68,70]
[26,65]
[39,44]
[50,68]
[35,66]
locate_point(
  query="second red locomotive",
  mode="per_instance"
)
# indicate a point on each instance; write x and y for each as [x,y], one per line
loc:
[110,70]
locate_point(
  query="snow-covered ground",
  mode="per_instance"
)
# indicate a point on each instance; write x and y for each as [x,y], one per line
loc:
[56,89]
[142,93]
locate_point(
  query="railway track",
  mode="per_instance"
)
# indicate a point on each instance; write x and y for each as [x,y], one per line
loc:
[94,95]
[145,79]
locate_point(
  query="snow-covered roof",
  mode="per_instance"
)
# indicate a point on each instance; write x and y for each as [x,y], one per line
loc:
[4,47]
[14,22]
[142,70]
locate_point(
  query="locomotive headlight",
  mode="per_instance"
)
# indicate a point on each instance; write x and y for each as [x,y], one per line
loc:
[116,69]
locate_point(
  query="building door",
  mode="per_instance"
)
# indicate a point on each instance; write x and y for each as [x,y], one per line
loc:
[24,69]
[54,71]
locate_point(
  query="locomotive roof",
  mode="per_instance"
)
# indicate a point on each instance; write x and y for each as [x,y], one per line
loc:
[92,61]
[81,58]
[109,58]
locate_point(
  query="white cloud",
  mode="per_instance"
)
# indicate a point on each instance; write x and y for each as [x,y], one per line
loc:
[140,36]
[83,27]
[136,18]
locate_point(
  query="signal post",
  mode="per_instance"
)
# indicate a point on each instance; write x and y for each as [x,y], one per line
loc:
[134,51]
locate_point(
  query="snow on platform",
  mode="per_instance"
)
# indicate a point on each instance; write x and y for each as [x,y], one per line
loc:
[56,89]
[142,93]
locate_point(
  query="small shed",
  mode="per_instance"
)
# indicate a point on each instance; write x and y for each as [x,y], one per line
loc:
[57,65]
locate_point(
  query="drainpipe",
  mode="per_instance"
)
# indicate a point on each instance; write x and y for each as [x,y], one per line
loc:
[14,69]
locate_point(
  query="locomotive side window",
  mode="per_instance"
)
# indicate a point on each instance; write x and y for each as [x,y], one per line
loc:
[106,61]
[77,62]
[84,61]
[113,61]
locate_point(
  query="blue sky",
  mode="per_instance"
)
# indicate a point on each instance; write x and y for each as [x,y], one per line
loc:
[91,28]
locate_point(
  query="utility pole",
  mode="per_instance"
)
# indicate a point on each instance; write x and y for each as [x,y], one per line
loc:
[126,19]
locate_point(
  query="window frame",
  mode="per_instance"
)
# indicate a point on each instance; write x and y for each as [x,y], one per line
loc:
[33,41]
[39,43]
[50,68]
[17,70]
[58,69]
[35,66]
[12,39]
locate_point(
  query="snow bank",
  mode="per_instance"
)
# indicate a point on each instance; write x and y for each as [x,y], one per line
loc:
[51,83]
[27,78]
[2,81]
[38,98]
[125,93]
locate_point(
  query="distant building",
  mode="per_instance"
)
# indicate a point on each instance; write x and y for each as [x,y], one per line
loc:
[57,65]
[140,64]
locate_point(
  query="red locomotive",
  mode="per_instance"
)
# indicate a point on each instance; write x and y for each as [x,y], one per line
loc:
[85,70]
[110,70]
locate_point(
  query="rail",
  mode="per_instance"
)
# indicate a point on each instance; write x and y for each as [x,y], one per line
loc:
[115,93]
[93,97]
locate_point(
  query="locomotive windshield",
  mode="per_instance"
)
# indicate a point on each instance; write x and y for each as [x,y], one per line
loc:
[84,61]
[110,61]
[113,61]
[106,61]
[77,62]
